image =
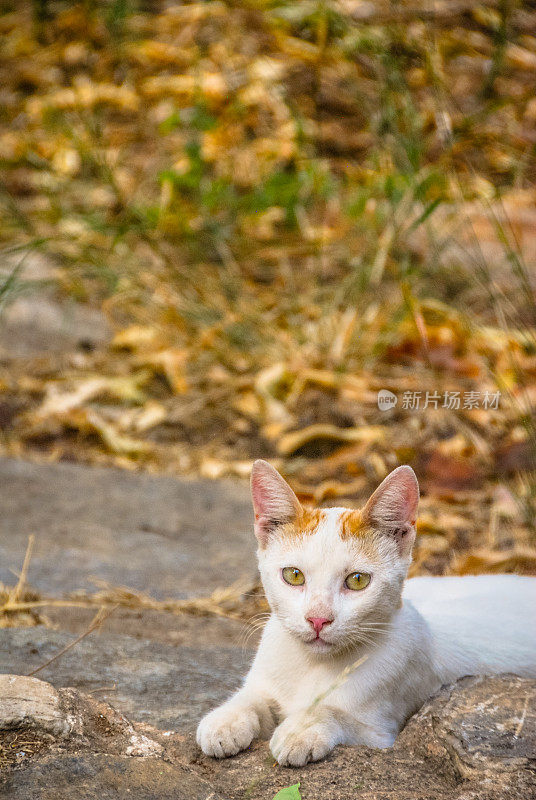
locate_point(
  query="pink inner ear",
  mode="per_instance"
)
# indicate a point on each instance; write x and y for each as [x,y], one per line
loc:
[408,502]
[409,497]
[259,495]
[395,501]
[274,502]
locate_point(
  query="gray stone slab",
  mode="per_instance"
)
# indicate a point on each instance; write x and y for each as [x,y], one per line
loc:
[165,686]
[60,744]
[88,776]
[160,626]
[475,740]
[35,320]
[38,325]
[160,535]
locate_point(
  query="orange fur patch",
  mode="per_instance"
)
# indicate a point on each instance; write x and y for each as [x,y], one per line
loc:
[305,525]
[310,519]
[353,524]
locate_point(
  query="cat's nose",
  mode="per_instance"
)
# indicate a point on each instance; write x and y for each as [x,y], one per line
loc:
[318,623]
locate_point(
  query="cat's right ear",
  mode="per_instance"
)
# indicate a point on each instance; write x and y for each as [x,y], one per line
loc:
[274,502]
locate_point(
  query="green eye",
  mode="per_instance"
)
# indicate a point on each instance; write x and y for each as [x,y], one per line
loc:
[357,581]
[293,576]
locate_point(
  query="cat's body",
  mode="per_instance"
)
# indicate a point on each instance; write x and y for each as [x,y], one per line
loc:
[347,661]
[479,624]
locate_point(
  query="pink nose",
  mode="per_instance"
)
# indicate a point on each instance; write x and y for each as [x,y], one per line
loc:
[318,623]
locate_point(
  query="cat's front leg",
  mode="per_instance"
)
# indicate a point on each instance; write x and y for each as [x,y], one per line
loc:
[306,736]
[231,727]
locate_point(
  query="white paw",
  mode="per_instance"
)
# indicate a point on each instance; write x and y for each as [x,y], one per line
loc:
[295,742]
[227,730]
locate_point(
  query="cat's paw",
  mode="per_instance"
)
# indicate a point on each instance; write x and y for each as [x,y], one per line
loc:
[227,730]
[296,742]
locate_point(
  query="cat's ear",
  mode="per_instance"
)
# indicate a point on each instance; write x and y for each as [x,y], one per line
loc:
[393,507]
[274,502]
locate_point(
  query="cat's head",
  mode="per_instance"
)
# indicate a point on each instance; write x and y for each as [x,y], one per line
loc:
[334,576]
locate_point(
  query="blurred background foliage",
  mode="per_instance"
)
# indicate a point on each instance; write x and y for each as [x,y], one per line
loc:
[280,207]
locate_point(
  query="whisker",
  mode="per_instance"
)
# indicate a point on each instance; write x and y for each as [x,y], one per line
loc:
[362,636]
[250,629]
[262,615]
[376,624]
[248,638]
[373,631]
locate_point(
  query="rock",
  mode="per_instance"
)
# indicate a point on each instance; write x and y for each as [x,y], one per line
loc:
[103,777]
[65,714]
[28,702]
[132,734]
[166,686]
[158,535]
[39,322]
[159,626]
[488,725]
[96,753]
[476,740]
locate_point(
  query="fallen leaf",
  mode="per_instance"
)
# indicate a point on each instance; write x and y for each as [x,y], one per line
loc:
[248,404]
[269,383]
[143,419]
[443,472]
[290,442]
[334,488]
[169,363]
[517,559]
[215,468]
[289,793]
[430,524]
[58,402]
[136,338]
[124,389]
[88,421]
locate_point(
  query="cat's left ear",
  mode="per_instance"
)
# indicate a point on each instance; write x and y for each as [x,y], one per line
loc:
[393,507]
[274,502]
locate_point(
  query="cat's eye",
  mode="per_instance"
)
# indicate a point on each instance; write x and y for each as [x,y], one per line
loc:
[293,575]
[357,581]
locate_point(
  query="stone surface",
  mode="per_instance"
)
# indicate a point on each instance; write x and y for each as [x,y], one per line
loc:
[473,741]
[38,322]
[37,325]
[69,718]
[476,740]
[97,753]
[175,629]
[486,724]
[159,535]
[103,777]
[166,686]
[28,702]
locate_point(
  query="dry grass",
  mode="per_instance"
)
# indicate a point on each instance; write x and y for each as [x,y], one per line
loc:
[20,607]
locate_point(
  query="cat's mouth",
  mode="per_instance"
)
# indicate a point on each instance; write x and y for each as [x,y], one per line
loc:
[319,644]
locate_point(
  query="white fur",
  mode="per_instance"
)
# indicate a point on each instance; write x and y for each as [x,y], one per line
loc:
[310,696]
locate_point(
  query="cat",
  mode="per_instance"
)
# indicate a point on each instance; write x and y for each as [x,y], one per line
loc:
[350,650]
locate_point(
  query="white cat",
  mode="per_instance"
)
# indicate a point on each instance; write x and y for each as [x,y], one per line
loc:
[349,653]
